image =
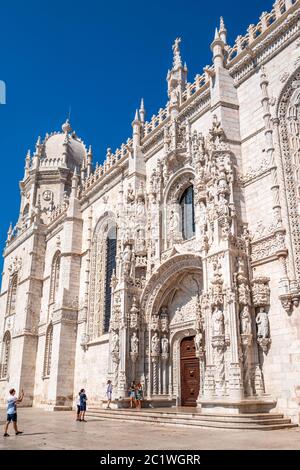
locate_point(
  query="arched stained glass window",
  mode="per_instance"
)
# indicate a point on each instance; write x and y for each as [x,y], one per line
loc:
[187,213]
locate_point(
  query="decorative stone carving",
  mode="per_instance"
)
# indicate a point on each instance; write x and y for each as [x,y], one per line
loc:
[134,343]
[164,320]
[134,315]
[155,345]
[15,265]
[115,342]
[218,328]
[263,330]
[164,345]
[245,321]
[260,291]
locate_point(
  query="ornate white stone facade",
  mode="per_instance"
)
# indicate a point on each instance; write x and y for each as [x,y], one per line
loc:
[191,228]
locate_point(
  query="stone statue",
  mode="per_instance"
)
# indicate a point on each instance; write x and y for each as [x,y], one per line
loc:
[245,321]
[218,322]
[164,345]
[263,326]
[223,205]
[127,259]
[134,343]
[155,346]
[174,97]
[140,207]
[130,194]
[115,342]
[198,340]
[173,221]
[202,216]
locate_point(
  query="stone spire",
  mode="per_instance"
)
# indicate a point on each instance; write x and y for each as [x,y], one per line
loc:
[217,47]
[142,111]
[27,164]
[89,161]
[176,78]
[136,129]
[223,31]
[177,62]
[9,233]
[136,163]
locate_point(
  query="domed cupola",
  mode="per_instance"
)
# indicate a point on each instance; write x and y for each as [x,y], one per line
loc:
[63,149]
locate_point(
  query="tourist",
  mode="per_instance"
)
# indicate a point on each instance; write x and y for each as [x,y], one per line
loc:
[109,393]
[139,395]
[12,402]
[132,394]
[78,407]
[83,400]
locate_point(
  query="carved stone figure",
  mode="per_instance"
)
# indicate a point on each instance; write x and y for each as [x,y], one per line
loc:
[198,341]
[127,255]
[155,344]
[173,222]
[245,321]
[202,216]
[134,343]
[263,326]
[115,342]
[218,328]
[164,345]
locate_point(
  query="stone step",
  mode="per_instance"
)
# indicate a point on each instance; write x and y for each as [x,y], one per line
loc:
[177,414]
[208,421]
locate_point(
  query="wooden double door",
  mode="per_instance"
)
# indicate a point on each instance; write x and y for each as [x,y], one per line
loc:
[189,371]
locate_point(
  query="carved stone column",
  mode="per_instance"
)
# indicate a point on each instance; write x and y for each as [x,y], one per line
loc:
[219,346]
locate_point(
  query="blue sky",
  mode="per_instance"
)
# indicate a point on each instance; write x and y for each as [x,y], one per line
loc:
[100,58]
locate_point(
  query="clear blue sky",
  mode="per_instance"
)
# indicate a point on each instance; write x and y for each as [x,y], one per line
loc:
[100,57]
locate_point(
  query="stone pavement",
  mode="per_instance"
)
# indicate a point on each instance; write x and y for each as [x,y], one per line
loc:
[59,430]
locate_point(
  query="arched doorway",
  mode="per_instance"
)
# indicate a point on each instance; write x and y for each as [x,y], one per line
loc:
[189,372]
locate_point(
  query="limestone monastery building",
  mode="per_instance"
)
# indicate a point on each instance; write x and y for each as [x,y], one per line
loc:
[176,262]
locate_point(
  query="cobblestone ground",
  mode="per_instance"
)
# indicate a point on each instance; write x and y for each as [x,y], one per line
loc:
[59,430]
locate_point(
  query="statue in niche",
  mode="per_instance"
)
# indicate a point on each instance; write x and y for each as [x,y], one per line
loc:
[174,97]
[140,206]
[115,342]
[202,217]
[245,321]
[127,254]
[130,194]
[173,222]
[155,344]
[218,322]
[134,343]
[164,345]
[198,340]
[223,205]
[263,326]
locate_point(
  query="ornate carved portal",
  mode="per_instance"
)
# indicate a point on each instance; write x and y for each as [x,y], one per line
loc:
[173,305]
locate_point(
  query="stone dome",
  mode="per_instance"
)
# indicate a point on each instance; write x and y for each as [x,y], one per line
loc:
[58,143]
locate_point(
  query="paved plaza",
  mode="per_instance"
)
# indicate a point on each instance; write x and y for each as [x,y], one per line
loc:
[60,431]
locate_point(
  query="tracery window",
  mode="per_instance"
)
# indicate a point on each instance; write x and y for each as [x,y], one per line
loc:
[103,264]
[4,366]
[187,213]
[48,351]
[12,295]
